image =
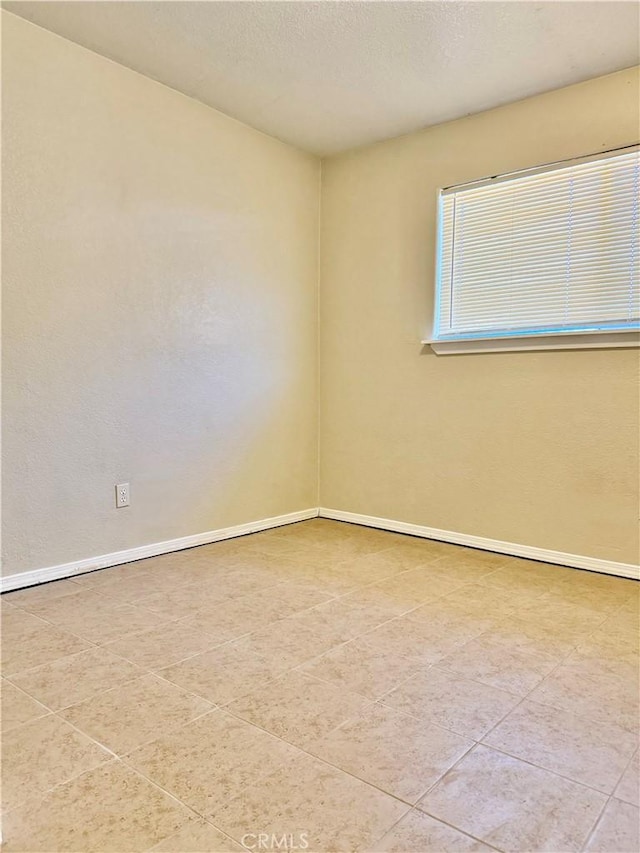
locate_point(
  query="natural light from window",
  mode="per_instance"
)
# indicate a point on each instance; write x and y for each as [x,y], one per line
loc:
[541,259]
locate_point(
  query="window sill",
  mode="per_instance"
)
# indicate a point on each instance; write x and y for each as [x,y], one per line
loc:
[585,340]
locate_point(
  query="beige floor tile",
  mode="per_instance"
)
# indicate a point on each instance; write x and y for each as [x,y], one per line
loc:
[413,554]
[499,665]
[362,667]
[617,830]
[398,754]
[375,597]
[211,760]
[28,641]
[493,601]
[107,810]
[222,674]
[227,620]
[231,546]
[458,704]
[601,600]
[632,604]
[514,806]
[592,691]
[238,581]
[622,628]
[348,617]
[298,708]
[469,564]
[629,786]
[360,614]
[561,618]
[27,598]
[619,665]
[553,572]
[455,620]
[412,588]
[314,555]
[419,833]
[286,546]
[163,646]
[604,583]
[606,644]
[194,565]
[346,549]
[282,539]
[214,557]
[529,635]
[43,753]
[137,571]
[17,707]
[129,589]
[314,804]
[135,712]
[525,574]
[272,569]
[74,678]
[311,529]
[317,572]
[92,580]
[286,599]
[330,577]
[595,754]
[415,639]
[197,835]
[331,625]
[288,643]
[181,601]
[371,568]
[174,563]
[95,617]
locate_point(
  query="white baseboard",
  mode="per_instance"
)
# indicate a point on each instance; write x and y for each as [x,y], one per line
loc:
[78,567]
[593,564]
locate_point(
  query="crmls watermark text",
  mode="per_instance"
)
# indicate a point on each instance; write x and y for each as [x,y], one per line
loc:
[276,841]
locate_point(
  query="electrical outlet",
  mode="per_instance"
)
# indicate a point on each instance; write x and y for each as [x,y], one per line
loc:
[122,495]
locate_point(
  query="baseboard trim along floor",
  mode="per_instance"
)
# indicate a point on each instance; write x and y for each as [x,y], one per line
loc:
[78,567]
[530,552]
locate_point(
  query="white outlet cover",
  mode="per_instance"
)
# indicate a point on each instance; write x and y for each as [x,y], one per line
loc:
[122,495]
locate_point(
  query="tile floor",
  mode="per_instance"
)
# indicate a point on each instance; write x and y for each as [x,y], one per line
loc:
[346,688]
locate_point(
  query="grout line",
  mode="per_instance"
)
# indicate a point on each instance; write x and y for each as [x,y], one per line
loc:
[438,820]
[595,826]
[626,767]
[544,769]
[304,750]
[39,796]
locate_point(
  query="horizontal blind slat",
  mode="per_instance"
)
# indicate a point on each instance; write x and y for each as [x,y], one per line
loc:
[555,249]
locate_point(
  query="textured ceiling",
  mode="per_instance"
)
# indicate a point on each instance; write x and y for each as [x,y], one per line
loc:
[326,75]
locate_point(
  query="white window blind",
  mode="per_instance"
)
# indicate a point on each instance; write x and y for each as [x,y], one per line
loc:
[549,252]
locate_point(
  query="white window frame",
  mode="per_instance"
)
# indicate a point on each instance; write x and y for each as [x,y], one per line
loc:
[596,339]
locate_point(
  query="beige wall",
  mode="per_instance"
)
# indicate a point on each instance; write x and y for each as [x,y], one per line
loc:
[160,288]
[532,448]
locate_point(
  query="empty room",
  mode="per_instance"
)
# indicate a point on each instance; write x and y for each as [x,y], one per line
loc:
[320,426]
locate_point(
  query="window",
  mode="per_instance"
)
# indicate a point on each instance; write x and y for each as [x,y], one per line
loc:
[544,259]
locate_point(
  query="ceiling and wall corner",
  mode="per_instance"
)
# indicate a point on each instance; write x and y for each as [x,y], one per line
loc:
[327,76]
